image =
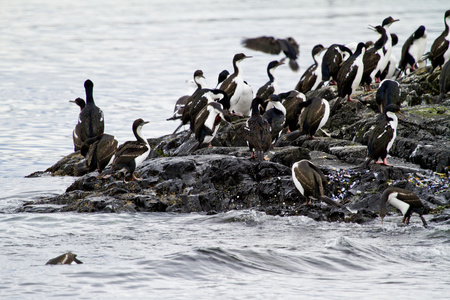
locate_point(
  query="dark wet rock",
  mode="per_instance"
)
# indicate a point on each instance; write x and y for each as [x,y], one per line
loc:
[223,178]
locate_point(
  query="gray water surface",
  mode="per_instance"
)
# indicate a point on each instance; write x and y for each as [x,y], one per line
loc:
[139,54]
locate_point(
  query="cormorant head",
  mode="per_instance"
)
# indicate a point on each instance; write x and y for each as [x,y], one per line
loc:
[388,21]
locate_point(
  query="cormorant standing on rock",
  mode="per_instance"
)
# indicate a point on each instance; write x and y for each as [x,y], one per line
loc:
[313,116]
[413,50]
[257,132]
[91,117]
[350,74]
[239,92]
[383,135]
[440,49]
[131,154]
[310,182]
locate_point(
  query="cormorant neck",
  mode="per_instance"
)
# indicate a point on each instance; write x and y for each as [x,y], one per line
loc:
[270,73]
[255,108]
[381,41]
[139,136]
[89,95]
[236,67]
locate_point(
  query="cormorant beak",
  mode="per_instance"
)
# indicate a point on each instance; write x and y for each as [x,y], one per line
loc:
[396,20]
[281,62]
[371,27]
[401,114]
[146,122]
[248,56]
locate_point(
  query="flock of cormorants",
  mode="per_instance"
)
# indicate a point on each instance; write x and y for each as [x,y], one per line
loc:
[270,112]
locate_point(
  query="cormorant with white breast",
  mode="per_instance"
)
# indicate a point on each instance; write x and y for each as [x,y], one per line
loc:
[406,201]
[373,58]
[205,96]
[313,116]
[310,77]
[270,87]
[412,50]
[440,49]
[271,45]
[391,71]
[388,92]
[310,182]
[387,48]
[257,132]
[383,135]
[275,115]
[91,117]
[239,92]
[131,154]
[350,74]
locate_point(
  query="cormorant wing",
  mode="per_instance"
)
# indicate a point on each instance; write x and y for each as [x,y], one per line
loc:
[266,44]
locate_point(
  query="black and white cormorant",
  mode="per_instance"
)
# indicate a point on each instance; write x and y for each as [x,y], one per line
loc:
[257,132]
[314,115]
[275,115]
[131,154]
[440,49]
[387,48]
[412,50]
[388,92]
[391,71]
[374,58]
[290,101]
[202,98]
[271,86]
[207,123]
[332,61]
[406,201]
[65,259]
[310,182]
[271,45]
[98,152]
[91,117]
[350,74]
[383,135]
[183,106]
[312,77]
[199,82]
[239,92]
[444,80]
[77,142]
